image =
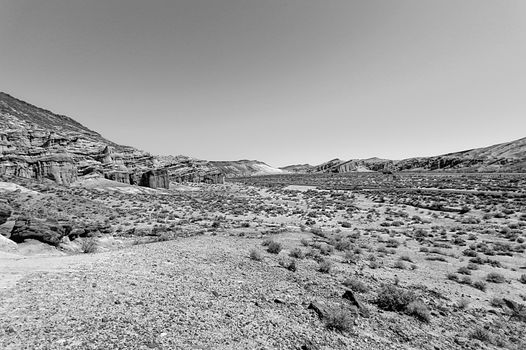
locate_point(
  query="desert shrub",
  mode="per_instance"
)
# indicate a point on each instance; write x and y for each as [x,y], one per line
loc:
[314,254]
[424,249]
[342,245]
[304,242]
[418,310]
[472,266]
[399,264]
[351,258]
[297,253]
[480,285]
[326,249]
[289,264]
[481,334]
[496,302]
[452,277]
[374,264]
[89,245]
[465,280]
[522,279]
[274,247]
[436,258]
[255,255]
[392,243]
[356,285]
[339,320]
[266,242]
[325,266]
[317,231]
[469,252]
[392,298]
[464,271]
[495,277]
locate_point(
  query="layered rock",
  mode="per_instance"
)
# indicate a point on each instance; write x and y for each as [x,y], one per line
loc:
[42,230]
[504,157]
[38,144]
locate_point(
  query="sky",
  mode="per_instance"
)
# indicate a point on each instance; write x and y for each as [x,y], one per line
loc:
[281,81]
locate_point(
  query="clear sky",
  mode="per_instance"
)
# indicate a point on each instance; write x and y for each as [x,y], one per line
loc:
[282,81]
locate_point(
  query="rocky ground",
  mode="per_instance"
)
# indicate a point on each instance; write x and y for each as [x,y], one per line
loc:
[265,265]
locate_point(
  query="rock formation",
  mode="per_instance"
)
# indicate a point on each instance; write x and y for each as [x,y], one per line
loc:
[38,144]
[504,157]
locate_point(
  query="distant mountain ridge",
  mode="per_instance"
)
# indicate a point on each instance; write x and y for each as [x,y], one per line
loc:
[502,157]
[36,143]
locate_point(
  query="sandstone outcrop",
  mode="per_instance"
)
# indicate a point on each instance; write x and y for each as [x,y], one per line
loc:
[504,157]
[38,144]
[46,231]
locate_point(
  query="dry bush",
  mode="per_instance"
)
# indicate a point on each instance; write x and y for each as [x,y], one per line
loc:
[339,320]
[274,247]
[325,266]
[297,253]
[255,255]
[495,277]
[356,285]
[418,310]
[89,245]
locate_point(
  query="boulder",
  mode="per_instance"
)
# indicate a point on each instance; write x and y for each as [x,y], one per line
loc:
[7,245]
[42,230]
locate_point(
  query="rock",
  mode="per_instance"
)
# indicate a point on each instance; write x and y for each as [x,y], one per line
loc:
[349,295]
[6,228]
[155,179]
[321,310]
[7,245]
[38,229]
[5,212]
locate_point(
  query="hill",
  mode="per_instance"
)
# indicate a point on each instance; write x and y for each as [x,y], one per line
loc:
[503,157]
[39,144]
[245,168]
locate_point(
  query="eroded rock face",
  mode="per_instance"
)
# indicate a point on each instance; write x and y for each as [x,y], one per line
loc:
[5,212]
[155,179]
[42,230]
[38,144]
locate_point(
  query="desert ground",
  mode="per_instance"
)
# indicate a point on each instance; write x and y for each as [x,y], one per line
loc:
[347,261]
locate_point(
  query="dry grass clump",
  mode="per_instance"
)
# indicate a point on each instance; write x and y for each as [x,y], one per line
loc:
[297,253]
[89,245]
[356,285]
[339,320]
[255,255]
[495,277]
[392,298]
[274,247]
[325,266]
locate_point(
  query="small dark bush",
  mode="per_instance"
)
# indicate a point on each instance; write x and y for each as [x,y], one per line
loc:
[339,320]
[392,298]
[297,253]
[356,285]
[480,285]
[274,247]
[325,266]
[255,255]
[464,271]
[495,277]
[481,334]
[89,245]
[418,310]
